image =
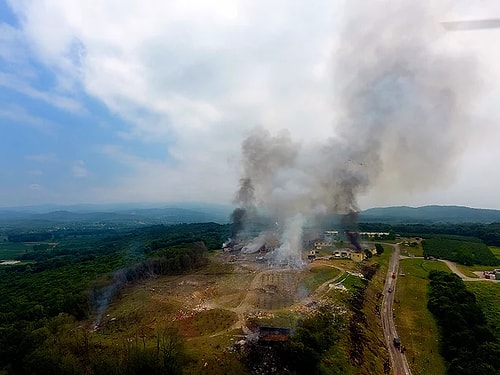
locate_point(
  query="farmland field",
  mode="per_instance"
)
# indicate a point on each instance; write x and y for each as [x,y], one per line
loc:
[496,251]
[465,252]
[415,324]
[9,250]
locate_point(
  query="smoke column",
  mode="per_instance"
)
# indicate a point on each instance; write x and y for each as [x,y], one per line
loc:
[400,95]
[289,253]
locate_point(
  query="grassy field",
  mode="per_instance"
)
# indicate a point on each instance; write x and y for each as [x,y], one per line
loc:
[319,275]
[9,251]
[415,324]
[407,250]
[496,251]
[469,270]
[488,297]
[351,282]
[182,302]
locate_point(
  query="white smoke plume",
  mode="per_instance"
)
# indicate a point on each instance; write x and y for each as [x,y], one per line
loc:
[256,244]
[290,251]
[401,94]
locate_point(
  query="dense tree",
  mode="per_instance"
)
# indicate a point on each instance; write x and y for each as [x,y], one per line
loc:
[368,254]
[487,233]
[72,276]
[467,343]
[464,252]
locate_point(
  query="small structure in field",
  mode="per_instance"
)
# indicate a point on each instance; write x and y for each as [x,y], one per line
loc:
[274,334]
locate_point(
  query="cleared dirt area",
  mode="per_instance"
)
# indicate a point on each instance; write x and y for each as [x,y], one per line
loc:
[218,306]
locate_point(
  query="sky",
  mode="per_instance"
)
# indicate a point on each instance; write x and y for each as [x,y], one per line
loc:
[106,101]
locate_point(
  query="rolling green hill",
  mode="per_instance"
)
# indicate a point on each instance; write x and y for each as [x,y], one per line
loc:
[430,214]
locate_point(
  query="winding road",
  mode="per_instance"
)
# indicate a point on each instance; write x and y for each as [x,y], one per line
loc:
[453,267]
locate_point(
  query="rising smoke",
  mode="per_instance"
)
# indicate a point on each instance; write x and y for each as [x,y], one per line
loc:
[400,96]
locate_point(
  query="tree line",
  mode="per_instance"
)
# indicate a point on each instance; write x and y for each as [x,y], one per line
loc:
[487,233]
[464,252]
[467,343]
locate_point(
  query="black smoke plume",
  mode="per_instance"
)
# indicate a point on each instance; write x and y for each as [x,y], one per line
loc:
[238,218]
[349,223]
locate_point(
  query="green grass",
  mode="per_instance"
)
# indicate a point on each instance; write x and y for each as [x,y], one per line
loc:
[281,318]
[9,250]
[496,251]
[412,251]
[460,251]
[469,270]
[488,297]
[351,282]
[209,356]
[207,322]
[319,275]
[415,324]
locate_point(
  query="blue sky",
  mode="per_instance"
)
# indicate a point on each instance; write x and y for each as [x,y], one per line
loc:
[121,101]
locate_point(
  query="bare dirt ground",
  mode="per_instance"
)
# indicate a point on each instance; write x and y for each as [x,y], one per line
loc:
[243,286]
[215,307]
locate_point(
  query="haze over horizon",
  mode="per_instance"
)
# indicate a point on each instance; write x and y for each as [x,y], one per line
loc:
[111,102]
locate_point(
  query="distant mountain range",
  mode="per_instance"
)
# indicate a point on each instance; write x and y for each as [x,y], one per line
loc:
[141,214]
[119,214]
[430,215]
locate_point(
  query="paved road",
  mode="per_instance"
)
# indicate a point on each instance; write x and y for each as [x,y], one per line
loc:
[453,268]
[398,359]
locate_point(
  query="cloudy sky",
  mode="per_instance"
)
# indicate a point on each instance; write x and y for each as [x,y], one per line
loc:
[149,101]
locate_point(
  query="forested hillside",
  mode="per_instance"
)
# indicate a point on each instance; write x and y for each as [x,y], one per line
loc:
[488,233]
[430,215]
[76,275]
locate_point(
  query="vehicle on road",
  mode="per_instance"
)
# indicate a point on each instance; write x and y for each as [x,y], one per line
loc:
[397,342]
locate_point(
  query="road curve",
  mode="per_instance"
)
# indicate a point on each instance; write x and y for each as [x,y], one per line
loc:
[453,268]
[398,359]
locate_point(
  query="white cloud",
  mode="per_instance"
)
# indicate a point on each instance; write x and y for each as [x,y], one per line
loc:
[79,169]
[189,63]
[60,101]
[21,115]
[197,76]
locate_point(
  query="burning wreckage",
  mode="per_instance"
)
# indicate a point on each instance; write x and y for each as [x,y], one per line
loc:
[269,247]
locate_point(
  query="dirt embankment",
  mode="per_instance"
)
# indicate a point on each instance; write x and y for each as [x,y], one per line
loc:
[369,351]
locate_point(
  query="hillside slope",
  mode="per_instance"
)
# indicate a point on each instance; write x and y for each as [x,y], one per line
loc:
[430,214]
